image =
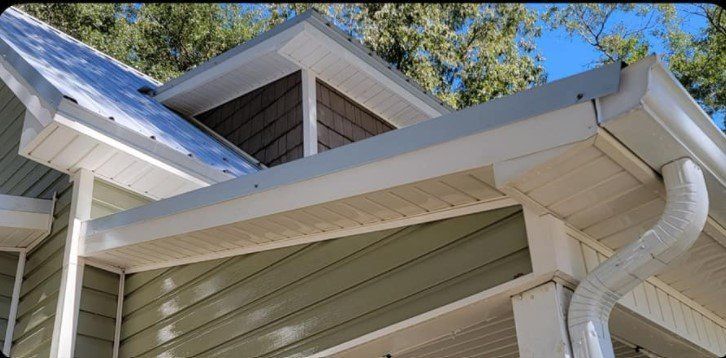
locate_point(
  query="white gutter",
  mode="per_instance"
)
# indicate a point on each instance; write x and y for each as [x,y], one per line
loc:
[683,219]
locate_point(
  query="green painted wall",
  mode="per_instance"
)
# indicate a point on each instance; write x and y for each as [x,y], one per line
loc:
[39,291]
[97,316]
[20,176]
[8,265]
[298,300]
[41,279]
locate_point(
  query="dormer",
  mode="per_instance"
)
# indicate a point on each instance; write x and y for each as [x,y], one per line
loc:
[301,88]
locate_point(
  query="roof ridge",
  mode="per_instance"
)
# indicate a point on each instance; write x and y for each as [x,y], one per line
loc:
[95,50]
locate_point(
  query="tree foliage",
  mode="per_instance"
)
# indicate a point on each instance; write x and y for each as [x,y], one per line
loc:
[463,53]
[697,60]
[162,40]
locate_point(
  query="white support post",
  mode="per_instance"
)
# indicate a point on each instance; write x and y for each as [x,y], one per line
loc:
[310,113]
[12,315]
[539,318]
[551,248]
[69,294]
[119,314]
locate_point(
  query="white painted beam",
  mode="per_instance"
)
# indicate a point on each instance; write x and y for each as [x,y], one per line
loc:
[310,113]
[539,318]
[13,313]
[69,293]
[424,151]
[551,248]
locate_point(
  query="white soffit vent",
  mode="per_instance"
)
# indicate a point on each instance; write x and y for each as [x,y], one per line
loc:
[23,220]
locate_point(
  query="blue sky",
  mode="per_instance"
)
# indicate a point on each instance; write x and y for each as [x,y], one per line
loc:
[565,56]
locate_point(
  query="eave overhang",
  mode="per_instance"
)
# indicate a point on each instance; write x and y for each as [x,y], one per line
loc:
[23,221]
[311,42]
[61,134]
[556,116]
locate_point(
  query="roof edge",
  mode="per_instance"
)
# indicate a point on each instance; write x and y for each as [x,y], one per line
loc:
[325,26]
[497,114]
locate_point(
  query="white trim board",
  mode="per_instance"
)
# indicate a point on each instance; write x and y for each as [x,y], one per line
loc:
[465,210]
[313,24]
[14,300]
[388,160]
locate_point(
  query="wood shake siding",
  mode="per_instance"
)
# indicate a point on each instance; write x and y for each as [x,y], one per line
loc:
[266,123]
[295,301]
[342,121]
[41,277]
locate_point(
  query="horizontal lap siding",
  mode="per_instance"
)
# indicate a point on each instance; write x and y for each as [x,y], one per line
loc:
[266,123]
[97,315]
[41,279]
[298,300]
[39,290]
[19,175]
[342,121]
[8,265]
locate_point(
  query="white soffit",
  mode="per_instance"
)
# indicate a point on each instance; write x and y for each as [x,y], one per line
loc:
[23,220]
[66,137]
[558,114]
[307,41]
[669,126]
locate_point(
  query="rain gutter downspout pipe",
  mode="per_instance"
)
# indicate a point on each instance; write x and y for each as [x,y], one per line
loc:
[678,228]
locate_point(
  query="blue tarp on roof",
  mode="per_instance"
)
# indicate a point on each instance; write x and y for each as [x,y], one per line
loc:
[105,86]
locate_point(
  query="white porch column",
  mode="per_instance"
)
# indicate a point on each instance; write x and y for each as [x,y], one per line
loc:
[539,318]
[310,113]
[69,294]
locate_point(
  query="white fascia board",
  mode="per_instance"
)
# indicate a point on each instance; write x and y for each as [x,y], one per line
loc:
[538,119]
[228,61]
[656,118]
[25,204]
[106,131]
[379,163]
[320,29]
[25,213]
[365,59]
[46,105]
[37,94]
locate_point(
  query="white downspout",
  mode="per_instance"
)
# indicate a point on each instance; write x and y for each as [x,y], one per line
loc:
[683,219]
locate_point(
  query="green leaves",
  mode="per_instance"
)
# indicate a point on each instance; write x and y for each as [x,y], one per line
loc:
[698,61]
[463,53]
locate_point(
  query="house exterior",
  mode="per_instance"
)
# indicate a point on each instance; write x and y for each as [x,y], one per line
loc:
[298,197]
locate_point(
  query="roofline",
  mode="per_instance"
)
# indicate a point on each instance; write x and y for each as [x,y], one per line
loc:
[678,127]
[564,103]
[326,27]
[47,104]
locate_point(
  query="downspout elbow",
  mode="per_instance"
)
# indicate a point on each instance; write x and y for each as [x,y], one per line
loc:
[678,228]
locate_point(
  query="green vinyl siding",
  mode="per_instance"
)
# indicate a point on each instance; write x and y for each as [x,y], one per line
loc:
[19,175]
[8,267]
[299,300]
[97,315]
[39,290]
[41,279]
